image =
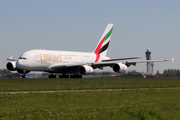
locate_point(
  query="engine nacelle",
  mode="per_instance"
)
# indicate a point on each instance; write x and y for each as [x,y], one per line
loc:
[11,65]
[85,69]
[119,67]
[22,71]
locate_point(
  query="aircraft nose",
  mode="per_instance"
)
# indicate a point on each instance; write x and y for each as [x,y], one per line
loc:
[20,64]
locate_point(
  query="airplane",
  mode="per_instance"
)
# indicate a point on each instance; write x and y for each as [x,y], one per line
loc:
[72,64]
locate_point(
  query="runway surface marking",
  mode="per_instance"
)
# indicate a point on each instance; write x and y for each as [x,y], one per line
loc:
[88,90]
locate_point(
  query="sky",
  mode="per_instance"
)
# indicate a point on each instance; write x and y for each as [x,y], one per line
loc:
[78,25]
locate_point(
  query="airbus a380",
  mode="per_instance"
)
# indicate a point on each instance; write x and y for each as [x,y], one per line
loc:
[74,63]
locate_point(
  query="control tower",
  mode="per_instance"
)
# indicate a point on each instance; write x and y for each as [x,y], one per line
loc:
[150,65]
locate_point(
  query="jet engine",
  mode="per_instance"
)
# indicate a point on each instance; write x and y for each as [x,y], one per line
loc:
[119,67]
[85,69]
[22,71]
[11,65]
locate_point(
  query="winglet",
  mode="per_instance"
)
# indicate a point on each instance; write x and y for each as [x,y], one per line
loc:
[172,60]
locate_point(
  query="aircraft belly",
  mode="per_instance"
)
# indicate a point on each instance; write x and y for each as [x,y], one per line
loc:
[61,69]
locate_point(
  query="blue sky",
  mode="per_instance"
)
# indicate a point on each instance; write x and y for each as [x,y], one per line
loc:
[78,26]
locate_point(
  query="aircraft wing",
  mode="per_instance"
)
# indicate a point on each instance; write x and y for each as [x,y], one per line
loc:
[120,59]
[110,62]
[10,59]
[100,65]
[127,63]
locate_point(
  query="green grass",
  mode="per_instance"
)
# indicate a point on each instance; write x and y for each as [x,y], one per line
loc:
[123,105]
[81,84]
[158,104]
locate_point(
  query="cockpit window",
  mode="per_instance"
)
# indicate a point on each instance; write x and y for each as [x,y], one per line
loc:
[23,58]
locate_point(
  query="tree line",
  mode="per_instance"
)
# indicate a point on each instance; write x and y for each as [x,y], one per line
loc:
[169,73]
[4,72]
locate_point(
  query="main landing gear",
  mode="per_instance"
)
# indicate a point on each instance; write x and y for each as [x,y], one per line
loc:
[75,76]
[65,76]
[52,76]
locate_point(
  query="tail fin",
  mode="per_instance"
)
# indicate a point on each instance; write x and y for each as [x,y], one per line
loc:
[102,47]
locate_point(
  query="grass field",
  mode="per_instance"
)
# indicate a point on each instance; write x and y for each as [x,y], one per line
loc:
[161,104]
[81,84]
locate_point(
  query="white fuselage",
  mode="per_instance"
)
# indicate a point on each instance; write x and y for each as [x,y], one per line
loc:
[43,60]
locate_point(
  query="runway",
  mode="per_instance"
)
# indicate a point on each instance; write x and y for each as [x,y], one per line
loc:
[87,90]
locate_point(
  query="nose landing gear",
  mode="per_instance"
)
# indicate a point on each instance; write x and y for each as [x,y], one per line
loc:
[65,76]
[23,76]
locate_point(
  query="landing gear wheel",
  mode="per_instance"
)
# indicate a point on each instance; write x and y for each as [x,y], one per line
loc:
[76,76]
[52,76]
[23,76]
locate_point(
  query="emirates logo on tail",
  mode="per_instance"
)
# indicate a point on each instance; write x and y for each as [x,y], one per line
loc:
[103,44]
